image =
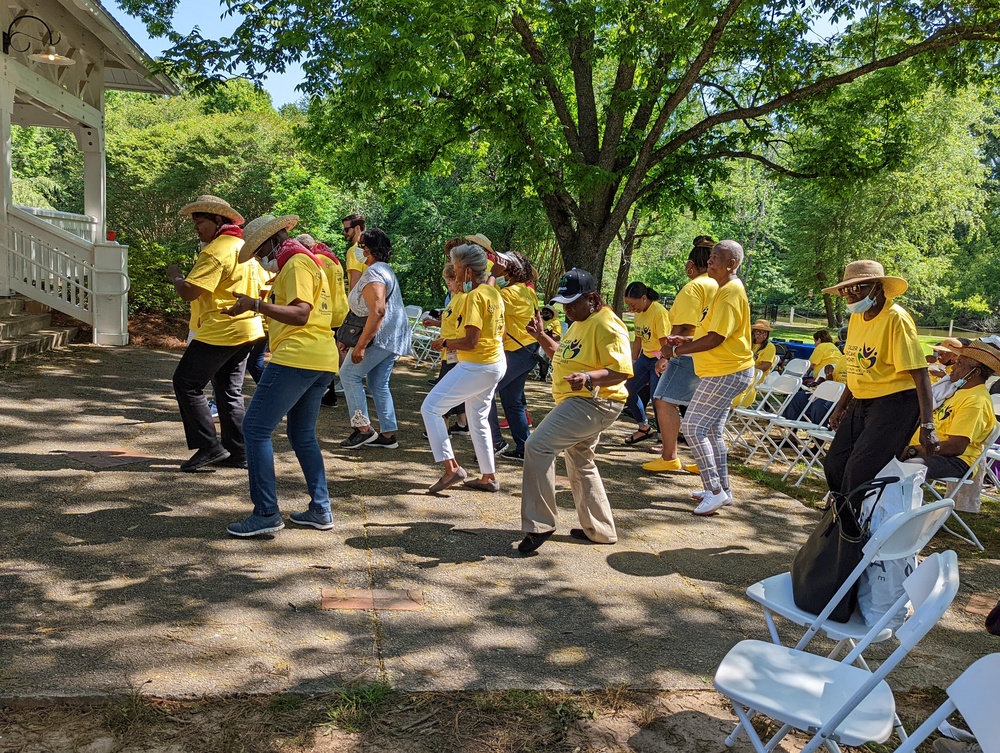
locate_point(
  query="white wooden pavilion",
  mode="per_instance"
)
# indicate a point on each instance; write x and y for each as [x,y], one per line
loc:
[59,58]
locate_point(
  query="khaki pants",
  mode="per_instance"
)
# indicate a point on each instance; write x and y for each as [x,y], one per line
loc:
[574,427]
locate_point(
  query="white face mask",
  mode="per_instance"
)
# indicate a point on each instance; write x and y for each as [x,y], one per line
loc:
[861,306]
[359,254]
[270,264]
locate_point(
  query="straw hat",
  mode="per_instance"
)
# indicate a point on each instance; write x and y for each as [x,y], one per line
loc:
[867,270]
[259,230]
[212,205]
[949,345]
[481,240]
[763,324]
[985,351]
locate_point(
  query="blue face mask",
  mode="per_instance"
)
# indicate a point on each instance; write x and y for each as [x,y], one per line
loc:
[861,306]
[501,281]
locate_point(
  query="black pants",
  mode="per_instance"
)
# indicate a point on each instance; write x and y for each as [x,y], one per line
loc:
[223,366]
[942,467]
[872,433]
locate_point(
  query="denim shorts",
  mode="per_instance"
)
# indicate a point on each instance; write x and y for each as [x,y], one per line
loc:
[678,383]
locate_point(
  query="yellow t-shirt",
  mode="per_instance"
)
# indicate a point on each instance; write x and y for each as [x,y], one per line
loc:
[691,304]
[599,342]
[218,272]
[263,280]
[338,293]
[520,304]
[310,345]
[353,263]
[967,413]
[729,316]
[483,308]
[880,352]
[767,354]
[650,326]
[825,354]
[554,328]
[452,319]
[840,370]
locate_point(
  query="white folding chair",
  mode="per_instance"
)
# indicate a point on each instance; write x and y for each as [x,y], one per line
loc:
[813,451]
[973,695]
[835,701]
[829,391]
[929,485]
[774,397]
[797,367]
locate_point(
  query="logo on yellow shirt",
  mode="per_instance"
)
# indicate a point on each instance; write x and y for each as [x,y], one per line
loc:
[867,357]
[570,350]
[645,332]
[704,313]
[942,412]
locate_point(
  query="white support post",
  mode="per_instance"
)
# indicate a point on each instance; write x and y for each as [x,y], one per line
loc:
[110,286]
[791,315]
[91,141]
[6,180]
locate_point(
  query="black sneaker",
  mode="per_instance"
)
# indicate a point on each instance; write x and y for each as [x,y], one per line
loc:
[357,439]
[330,398]
[205,456]
[386,443]
[457,428]
[511,453]
[501,448]
[234,461]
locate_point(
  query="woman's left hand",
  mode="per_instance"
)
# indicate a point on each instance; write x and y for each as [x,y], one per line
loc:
[243,304]
[577,381]
[437,344]
[357,354]
[676,340]
[929,441]
[535,326]
[173,272]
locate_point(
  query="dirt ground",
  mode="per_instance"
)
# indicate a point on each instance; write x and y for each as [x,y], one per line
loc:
[374,718]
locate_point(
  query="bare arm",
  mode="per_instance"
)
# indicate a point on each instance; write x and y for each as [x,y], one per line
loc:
[185,289]
[295,313]
[928,437]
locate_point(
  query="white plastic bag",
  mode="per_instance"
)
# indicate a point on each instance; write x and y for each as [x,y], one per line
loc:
[881,584]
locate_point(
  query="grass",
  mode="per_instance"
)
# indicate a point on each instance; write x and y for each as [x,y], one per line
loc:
[356,709]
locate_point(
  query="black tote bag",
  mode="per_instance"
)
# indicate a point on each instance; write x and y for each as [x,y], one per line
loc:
[350,331]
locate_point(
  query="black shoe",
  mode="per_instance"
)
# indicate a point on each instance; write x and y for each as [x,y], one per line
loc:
[532,541]
[205,456]
[386,443]
[330,398]
[432,382]
[457,428]
[501,448]
[357,439]
[234,461]
[510,453]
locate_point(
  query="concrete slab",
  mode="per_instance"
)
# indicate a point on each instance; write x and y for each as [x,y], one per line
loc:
[123,577]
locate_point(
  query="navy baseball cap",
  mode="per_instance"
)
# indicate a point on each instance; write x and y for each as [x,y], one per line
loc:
[573,284]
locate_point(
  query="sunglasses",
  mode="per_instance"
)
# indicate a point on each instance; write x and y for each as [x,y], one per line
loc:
[859,288]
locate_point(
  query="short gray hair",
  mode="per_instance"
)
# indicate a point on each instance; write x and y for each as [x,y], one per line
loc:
[732,249]
[471,256]
[306,240]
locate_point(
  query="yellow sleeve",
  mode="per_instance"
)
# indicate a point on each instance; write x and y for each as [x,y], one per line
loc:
[298,286]
[473,310]
[972,421]
[725,314]
[907,352]
[617,354]
[661,324]
[687,308]
[207,272]
[352,261]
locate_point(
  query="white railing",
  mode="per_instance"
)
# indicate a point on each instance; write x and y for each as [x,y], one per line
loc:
[82,225]
[84,280]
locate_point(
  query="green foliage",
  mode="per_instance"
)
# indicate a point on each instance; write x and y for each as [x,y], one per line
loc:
[47,167]
[356,709]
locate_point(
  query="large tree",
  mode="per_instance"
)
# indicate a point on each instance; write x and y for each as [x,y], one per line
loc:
[595,107]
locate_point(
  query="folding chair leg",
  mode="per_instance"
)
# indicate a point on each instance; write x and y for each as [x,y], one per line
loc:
[972,537]
[771,627]
[745,726]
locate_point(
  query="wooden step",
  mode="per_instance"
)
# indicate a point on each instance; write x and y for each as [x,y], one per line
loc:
[37,342]
[11,306]
[21,325]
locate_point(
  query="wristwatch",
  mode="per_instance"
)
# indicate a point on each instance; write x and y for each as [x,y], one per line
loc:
[588,381]
[929,426]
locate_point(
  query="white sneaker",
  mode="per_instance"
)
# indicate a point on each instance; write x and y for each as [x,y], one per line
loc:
[710,503]
[700,495]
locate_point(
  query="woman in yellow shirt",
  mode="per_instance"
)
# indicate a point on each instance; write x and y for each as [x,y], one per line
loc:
[303,361]
[888,389]
[481,366]
[764,352]
[824,356]
[652,326]
[221,345]
[511,272]
[589,368]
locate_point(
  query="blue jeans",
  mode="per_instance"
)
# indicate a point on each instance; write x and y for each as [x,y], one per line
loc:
[644,372]
[377,366]
[511,391]
[285,391]
[255,362]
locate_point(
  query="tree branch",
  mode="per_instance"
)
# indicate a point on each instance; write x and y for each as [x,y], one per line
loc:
[614,122]
[530,46]
[586,102]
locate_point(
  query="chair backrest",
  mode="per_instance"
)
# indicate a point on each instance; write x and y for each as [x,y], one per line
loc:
[974,694]
[996,405]
[745,399]
[780,392]
[990,440]
[907,533]
[829,390]
[797,367]
[413,313]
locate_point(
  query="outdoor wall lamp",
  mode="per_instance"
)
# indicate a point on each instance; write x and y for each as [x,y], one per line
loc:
[46,53]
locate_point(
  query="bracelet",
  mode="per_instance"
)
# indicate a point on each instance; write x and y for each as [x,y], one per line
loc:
[177,280]
[256,305]
[444,343]
[588,381]
[929,426]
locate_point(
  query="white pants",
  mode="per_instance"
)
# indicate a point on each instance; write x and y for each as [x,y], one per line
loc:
[473,384]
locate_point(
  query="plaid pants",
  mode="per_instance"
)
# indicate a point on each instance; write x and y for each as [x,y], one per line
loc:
[706,416]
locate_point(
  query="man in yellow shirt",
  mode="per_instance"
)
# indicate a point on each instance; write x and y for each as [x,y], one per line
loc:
[303,361]
[724,362]
[888,389]
[354,226]
[221,344]
[965,420]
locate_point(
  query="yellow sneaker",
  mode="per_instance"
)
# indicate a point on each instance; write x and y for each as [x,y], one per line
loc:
[691,468]
[663,466]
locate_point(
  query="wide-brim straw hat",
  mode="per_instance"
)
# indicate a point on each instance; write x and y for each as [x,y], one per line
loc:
[868,270]
[212,205]
[480,240]
[259,230]
[949,345]
[763,324]
[985,351]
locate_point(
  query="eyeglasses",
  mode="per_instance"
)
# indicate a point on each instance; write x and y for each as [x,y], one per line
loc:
[858,289]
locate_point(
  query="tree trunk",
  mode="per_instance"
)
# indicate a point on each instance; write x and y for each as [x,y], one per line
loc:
[831,312]
[628,244]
